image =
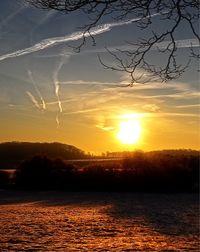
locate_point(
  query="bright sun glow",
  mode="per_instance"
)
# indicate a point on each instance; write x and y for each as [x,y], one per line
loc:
[129,131]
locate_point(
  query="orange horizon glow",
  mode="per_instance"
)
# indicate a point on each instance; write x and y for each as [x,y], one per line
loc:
[157,131]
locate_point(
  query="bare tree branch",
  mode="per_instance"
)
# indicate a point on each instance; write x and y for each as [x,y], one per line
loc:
[174,12]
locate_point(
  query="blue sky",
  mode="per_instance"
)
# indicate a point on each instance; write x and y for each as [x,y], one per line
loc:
[50,93]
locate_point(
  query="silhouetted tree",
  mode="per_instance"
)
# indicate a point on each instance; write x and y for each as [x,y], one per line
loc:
[64,175]
[170,16]
[4,179]
[41,172]
[35,173]
[150,172]
[99,177]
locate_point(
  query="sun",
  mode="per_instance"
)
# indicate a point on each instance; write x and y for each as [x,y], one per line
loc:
[129,131]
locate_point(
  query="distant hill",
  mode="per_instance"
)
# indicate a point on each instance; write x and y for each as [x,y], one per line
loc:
[12,153]
[175,152]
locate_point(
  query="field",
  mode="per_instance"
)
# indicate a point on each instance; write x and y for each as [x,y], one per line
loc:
[66,221]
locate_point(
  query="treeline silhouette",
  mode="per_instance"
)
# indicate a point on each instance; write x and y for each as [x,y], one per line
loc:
[12,153]
[142,172]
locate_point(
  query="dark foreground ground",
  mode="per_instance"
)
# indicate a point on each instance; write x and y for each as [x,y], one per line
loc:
[64,221]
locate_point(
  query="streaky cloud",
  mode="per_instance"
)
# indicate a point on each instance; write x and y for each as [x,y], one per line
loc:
[33,99]
[49,42]
[189,106]
[57,121]
[184,43]
[36,89]
[83,82]
[12,15]
[41,22]
[168,114]
[83,111]
[56,82]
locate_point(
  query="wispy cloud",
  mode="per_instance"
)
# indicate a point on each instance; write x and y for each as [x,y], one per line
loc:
[189,106]
[83,111]
[151,107]
[122,84]
[187,95]
[57,121]
[12,16]
[46,43]
[83,82]
[183,43]
[33,99]
[105,128]
[63,60]
[57,88]
[36,89]
[168,114]
[147,97]
[44,19]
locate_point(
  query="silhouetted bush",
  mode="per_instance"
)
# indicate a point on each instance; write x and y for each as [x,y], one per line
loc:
[95,177]
[4,179]
[149,172]
[161,171]
[41,172]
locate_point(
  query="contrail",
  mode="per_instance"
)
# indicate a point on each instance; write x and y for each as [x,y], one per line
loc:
[11,16]
[36,89]
[56,82]
[57,85]
[57,121]
[42,21]
[34,101]
[184,43]
[46,43]
[83,82]
[83,111]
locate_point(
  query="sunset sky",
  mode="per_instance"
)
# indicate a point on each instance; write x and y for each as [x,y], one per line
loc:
[49,93]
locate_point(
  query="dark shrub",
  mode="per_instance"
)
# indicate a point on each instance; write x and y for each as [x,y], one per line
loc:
[4,179]
[35,173]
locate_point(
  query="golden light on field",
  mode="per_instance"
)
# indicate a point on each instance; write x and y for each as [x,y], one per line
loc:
[129,130]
